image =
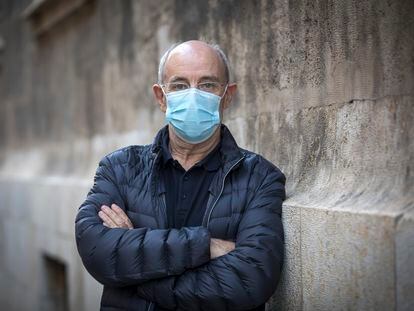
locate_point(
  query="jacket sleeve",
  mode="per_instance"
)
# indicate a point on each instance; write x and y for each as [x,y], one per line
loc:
[120,257]
[242,279]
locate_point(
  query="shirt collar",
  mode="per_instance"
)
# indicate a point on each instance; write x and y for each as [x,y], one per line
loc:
[229,150]
[211,162]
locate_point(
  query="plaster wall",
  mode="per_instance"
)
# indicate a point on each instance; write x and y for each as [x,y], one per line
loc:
[325,92]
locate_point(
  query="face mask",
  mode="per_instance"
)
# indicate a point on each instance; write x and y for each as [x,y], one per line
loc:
[193,114]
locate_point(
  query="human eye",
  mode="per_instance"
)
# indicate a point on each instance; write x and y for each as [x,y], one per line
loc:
[208,86]
[177,86]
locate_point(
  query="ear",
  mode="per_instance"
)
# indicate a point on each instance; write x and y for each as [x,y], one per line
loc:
[228,97]
[160,97]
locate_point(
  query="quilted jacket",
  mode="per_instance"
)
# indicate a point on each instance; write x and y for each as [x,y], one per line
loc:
[152,267]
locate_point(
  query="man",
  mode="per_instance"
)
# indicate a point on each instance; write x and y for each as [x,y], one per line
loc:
[191,222]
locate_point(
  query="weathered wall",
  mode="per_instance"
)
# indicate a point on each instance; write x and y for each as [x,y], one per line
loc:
[326,92]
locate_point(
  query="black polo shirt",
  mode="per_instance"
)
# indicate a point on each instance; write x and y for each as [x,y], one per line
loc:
[187,191]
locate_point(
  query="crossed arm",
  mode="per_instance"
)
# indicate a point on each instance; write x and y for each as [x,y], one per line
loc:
[115,217]
[191,270]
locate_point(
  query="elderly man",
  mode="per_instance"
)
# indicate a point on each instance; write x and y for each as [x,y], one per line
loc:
[191,222]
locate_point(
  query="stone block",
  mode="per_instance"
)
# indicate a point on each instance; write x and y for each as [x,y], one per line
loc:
[288,295]
[348,260]
[404,252]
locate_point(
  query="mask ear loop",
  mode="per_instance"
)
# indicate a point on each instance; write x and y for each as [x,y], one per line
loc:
[165,94]
[225,90]
[221,98]
[224,93]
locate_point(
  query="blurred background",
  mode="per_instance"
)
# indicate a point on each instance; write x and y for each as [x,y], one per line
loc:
[326,92]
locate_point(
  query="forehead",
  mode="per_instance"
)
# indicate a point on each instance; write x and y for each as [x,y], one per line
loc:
[192,62]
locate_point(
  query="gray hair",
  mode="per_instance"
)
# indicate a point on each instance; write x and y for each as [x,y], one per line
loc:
[215,47]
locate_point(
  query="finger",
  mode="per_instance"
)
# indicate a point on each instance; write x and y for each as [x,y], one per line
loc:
[130,225]
[114,216]
[119,211]
[122,215]
[103,207]
[113,205]
[107,220]
[105,224]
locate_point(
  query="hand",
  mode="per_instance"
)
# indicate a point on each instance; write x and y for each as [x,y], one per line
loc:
[220,247]
[114,217]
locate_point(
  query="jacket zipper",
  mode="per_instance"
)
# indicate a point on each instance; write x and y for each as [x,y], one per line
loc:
[221,191]
[155,160]
[163,201]
[164,210]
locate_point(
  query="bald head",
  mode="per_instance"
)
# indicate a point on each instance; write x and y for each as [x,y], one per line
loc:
[194,56]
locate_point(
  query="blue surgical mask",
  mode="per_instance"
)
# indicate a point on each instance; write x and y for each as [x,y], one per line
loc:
[193,114]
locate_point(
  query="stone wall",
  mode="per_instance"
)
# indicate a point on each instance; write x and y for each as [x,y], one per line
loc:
[326,92]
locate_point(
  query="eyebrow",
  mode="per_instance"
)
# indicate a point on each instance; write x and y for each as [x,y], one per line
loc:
[203,78]
[177,78]
[210,78]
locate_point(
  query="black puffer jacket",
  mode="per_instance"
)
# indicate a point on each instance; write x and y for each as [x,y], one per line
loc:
[152,267]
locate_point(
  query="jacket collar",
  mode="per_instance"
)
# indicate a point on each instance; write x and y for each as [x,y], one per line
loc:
[210,163]
[230,151]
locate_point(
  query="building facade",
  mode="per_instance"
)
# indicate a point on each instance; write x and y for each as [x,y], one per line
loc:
[326,92]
